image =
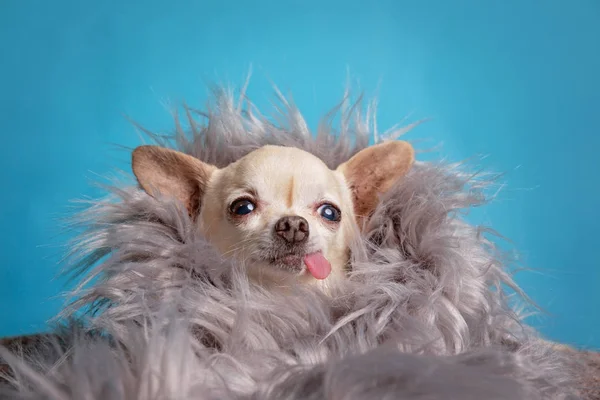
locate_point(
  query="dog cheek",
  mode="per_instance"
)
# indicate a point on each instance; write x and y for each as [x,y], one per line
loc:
[337,256]
[258,237]
[247,236]
[329,241]
[344,237]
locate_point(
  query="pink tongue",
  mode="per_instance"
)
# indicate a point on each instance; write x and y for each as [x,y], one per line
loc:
[317,265]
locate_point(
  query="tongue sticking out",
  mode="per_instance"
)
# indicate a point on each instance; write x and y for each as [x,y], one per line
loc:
[317,265]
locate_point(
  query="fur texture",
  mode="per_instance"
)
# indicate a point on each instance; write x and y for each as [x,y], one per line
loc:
[425,313]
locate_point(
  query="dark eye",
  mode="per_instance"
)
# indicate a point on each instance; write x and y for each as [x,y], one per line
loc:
[242,207]
[329,212]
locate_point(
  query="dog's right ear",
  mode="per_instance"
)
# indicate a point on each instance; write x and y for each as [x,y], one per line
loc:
[171,173]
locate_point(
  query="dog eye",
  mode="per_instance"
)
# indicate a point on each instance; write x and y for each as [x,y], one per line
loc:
[242,207]
[329,212]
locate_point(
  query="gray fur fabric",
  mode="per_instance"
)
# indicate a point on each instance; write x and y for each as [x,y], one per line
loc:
[424,314]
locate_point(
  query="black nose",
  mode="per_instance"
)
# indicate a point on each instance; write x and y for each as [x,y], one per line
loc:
[293,229]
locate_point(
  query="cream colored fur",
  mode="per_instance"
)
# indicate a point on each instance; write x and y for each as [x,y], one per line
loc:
[279,181]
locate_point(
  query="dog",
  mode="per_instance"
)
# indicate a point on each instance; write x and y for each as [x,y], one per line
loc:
[278,210]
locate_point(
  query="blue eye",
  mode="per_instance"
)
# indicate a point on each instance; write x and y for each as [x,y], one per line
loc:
[242,207]
[329,212]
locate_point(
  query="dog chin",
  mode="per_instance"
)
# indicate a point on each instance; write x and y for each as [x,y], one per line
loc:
[292,263]
[283,268]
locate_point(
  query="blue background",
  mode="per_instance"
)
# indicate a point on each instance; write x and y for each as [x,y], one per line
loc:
[516,80]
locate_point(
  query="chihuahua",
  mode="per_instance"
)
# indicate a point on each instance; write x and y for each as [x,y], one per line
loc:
[278,210]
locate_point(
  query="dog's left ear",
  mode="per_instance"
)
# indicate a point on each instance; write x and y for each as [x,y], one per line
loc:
[373,170]
[172,173]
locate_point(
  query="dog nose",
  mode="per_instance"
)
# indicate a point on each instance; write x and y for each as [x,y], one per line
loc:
[293,229]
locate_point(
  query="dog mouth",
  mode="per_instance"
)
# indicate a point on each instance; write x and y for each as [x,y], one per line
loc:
[314,263]
[291,261]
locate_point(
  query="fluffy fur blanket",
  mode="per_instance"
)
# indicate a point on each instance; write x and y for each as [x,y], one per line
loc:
[425,313]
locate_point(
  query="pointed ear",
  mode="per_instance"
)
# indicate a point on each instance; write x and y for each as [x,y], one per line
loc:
[372,171]
[171,173]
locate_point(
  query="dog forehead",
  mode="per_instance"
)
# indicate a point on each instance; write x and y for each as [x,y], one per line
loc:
[276,170]
[277,160]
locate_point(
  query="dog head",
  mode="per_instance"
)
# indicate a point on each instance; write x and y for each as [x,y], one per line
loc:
[279,210]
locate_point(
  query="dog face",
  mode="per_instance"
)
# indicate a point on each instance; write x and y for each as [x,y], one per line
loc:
[279,210]
[282,212]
